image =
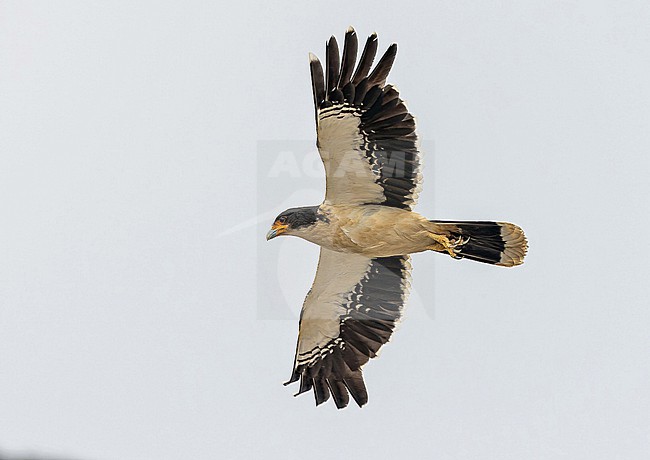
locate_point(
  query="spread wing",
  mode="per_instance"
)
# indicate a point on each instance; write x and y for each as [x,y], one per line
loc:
[366,136]
[349,313]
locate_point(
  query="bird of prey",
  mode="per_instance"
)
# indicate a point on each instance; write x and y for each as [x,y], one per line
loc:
[366,227]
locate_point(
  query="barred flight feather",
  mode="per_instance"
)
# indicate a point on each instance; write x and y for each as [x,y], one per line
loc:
[367,318]
[379,134]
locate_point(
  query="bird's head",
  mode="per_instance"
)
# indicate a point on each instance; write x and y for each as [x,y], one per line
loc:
[294,221]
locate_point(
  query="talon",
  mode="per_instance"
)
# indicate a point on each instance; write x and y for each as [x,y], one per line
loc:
[460,241]
[450,245]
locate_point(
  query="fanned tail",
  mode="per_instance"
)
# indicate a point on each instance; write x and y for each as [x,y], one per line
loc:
[497,243]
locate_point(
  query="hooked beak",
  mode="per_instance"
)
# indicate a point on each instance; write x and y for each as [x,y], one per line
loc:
[276,229]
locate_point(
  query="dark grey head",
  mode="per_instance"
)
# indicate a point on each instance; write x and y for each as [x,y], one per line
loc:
[293,219]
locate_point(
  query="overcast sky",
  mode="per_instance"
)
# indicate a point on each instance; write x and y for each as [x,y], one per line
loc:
[143,316]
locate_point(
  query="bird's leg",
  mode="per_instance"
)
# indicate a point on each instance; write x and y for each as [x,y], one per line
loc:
[449,245]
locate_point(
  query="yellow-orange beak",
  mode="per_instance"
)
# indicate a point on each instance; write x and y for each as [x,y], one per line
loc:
[276,229]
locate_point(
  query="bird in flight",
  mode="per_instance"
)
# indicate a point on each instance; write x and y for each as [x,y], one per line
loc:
[366,227]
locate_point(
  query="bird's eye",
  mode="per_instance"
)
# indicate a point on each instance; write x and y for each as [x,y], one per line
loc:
[283,220]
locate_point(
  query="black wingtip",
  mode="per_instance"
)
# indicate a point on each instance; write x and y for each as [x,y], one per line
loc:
[349,58]
[332,64]
[321,391]
[366,60]
[382,69]
[339,393]
[295,376]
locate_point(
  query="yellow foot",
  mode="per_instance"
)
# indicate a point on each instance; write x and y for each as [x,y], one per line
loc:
[449,245]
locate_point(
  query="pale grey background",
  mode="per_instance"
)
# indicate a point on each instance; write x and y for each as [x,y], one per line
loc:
[129,324]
